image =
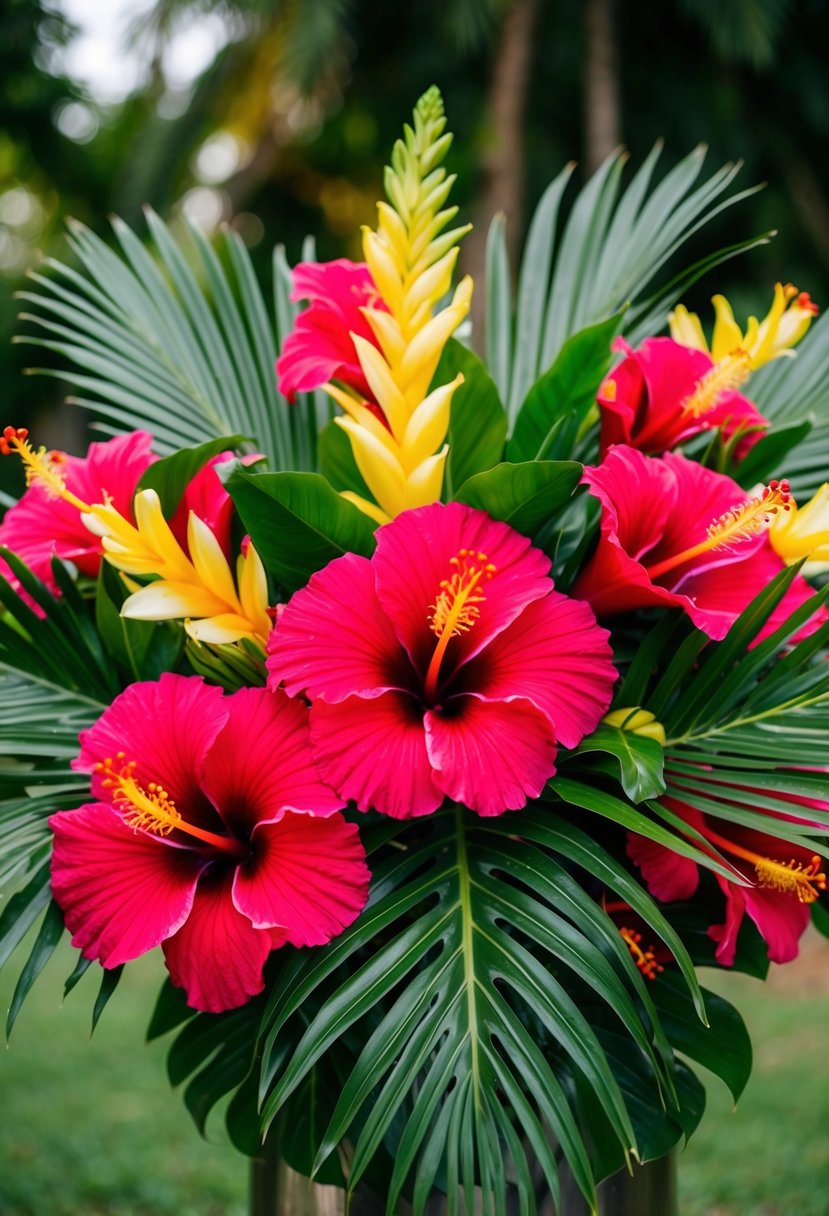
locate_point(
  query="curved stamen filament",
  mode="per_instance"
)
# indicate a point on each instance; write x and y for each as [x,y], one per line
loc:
[724,377]
[794,878]
[645,959]
[740,523]
[42,467]
[456,606]
[152,810]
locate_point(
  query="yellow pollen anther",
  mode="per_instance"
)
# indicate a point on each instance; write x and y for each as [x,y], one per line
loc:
[152,810]
[456,607]
[739,523]
[795,878]
[645,959]
[724,377]
[42,467]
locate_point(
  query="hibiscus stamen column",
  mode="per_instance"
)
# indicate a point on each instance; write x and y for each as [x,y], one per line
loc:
[803,880]
[456,607]
[749,519]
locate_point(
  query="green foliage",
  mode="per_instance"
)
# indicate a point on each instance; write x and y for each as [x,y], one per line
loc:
[607,256]
[552,417]
[169,477]
[444,965]
[298,523]
[477,424]
[525,496]
[636,760]
[185,350]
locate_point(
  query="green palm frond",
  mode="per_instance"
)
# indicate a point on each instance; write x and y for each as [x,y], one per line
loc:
[462,969]
[743,718]
[175,337]
[605,257]
[793,390]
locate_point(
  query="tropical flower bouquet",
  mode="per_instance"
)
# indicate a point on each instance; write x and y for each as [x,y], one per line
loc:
[436,715]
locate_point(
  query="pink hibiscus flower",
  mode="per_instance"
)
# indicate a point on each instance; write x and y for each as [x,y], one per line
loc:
[674,533]
[320,347]
[785,880]
[210,835]
[663,393]
[445,666]
[41,525]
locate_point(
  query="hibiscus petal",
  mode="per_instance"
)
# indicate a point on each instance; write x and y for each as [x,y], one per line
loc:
[781,918]
[307,875]
[667,875]
[217,955]
[261,763]
[556,656]
[491,755]
[121,892]
[373,752]
[334,640]
[166,727]
[414,555]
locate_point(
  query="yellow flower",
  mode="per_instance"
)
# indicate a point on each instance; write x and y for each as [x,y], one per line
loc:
[639,721]
[786,322]
[804,532]
[199,589]
[411,260]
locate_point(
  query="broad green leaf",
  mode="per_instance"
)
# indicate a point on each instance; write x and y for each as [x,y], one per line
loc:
[477,423]
[723,1047]
[456,950]
[525,496]
[769,455]
[298,523]
[556,406]
[170,477]
[637,759]
[145,649]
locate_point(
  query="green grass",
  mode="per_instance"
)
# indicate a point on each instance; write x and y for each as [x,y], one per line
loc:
[91,1128]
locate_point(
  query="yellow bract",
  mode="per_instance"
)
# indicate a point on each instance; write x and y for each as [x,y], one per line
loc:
[804,532]
[411,260]
[199,589]
[786,322]
[638,721]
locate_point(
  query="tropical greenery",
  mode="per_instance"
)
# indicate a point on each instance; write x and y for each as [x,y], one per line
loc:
[483,1020]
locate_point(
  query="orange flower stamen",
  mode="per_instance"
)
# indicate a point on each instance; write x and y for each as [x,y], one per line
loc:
[724,377]
[748,519]
[456,606]
[42,467]
[645,959]
[804,880]
[152,810]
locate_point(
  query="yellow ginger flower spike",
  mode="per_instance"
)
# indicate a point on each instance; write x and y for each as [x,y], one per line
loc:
[804,532]
[639,721]
[411,260]
[786,322]
[199,589]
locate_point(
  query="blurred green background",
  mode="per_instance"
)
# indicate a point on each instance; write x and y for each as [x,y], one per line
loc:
[276,116]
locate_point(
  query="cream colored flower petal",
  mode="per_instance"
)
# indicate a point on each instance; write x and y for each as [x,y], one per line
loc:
[368,508]
[157,536]
[170,601]
[686,328]
[381,472]
[428,425]
[253,590]
[219,630]
[426,481]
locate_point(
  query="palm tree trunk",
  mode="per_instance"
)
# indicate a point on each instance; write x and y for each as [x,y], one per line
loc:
[602,121]
[502,186]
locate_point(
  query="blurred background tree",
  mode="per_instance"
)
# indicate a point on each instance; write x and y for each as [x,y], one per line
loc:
[276,116]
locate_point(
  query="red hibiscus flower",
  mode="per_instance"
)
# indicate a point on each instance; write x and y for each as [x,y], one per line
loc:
[446,666]
[320,347]
[41,526]
[674,533]
[210,834]
[663,393]
[784,881]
